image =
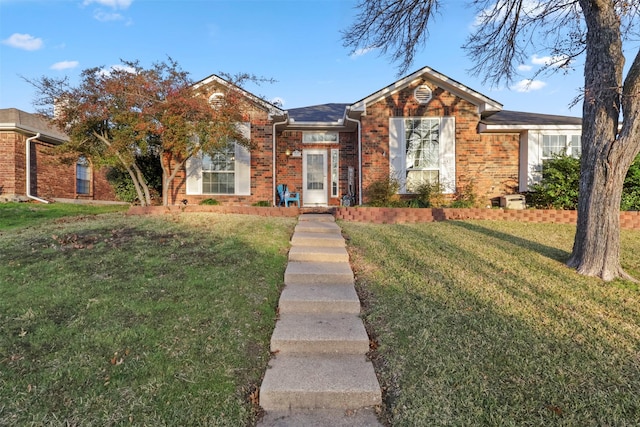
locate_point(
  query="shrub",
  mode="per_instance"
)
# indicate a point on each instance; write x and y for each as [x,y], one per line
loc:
[428,195]
[631,188]
[209,202]
[465,197]
[383,193]
[262,203]
[559,186]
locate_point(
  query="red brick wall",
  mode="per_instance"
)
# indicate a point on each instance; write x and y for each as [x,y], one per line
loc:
[50,177]
[628,219]
[12,161]
[490,161]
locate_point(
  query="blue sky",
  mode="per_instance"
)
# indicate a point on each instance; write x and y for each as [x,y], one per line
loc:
[296,42]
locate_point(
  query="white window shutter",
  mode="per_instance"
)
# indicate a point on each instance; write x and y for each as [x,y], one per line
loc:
[194,174]
[448,154]
[243,163]
[396,151]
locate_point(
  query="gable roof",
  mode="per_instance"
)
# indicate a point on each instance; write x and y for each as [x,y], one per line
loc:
[318,113]
[505,120]
[213,78]
[12,119]
[484,103]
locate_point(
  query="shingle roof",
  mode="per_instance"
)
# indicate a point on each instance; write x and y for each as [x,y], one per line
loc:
[518,118]
[12,118]
[319,113]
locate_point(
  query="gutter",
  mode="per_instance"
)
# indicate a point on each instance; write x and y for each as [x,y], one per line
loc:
[28,168]
[359,124]
[273,161]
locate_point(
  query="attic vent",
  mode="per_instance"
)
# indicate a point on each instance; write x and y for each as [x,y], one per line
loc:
[422,94]
[216,100]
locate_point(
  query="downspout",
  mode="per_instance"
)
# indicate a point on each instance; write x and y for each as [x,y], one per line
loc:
[28,168]
[359,124]
[273,161]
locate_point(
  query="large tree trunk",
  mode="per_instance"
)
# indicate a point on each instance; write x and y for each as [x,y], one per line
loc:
[606,154]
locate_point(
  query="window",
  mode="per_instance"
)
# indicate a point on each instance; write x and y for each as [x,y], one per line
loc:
[558,145]
[319,137]
[335,158]
[422,151]
[227,171]
[83,176]
[218,171]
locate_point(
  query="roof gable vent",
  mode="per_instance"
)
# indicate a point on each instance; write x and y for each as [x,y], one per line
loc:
[422,94]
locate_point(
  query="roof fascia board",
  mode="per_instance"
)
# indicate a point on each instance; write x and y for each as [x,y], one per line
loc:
[484,103]
[272,109]
[484,128]
[31,130]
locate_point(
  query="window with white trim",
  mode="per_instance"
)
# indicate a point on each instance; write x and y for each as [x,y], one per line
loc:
[335,171]
[218,171]
[422,150]
[226,171]
[319,137]
[83,176]
[560,145]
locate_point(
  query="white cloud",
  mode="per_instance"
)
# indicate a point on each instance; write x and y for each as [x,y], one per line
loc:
[103,16]
[528,85]
[114,4]
[524,67]
[107,71]
[23,41]
[277,101]
[550,61]
[64,65]
[361,52]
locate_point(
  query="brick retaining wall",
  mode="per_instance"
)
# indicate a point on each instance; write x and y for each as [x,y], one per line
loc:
[629,219]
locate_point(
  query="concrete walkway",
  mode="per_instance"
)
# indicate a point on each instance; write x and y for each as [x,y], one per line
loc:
[319,374]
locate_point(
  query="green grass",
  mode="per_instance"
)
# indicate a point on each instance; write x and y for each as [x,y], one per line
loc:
[113,319]
[14,215]
[481,323]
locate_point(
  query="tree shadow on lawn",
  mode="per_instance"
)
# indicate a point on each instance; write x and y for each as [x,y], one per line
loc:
[551,252]
[465,340]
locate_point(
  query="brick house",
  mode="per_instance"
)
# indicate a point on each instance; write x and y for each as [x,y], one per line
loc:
[423,127]
[30,170]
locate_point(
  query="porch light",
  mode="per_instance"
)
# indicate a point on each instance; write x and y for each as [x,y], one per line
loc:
[287,153]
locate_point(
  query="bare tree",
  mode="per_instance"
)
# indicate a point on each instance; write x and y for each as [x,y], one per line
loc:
[505,33]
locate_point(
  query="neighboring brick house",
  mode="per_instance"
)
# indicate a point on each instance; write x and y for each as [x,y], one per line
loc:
[38,168]
[423,127]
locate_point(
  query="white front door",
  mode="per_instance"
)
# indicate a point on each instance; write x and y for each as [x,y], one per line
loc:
[314,178]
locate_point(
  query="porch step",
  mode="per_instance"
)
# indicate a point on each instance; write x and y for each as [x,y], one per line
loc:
[317,239]
[317,227]
[318,254]
[319,299]
[330,333]
[319,381]
[318,273]
[316,217]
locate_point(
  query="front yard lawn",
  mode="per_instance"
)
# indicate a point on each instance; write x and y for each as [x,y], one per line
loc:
[480,323]
[113,319]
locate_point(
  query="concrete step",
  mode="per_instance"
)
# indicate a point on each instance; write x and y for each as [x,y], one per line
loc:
[318,254]
[306,381]
[317,227]
[318,273]
[333,333]
[364,417]
[317,217]
[319,299]
[317,239]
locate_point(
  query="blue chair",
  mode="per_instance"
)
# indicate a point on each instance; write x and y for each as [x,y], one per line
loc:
[286,197]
